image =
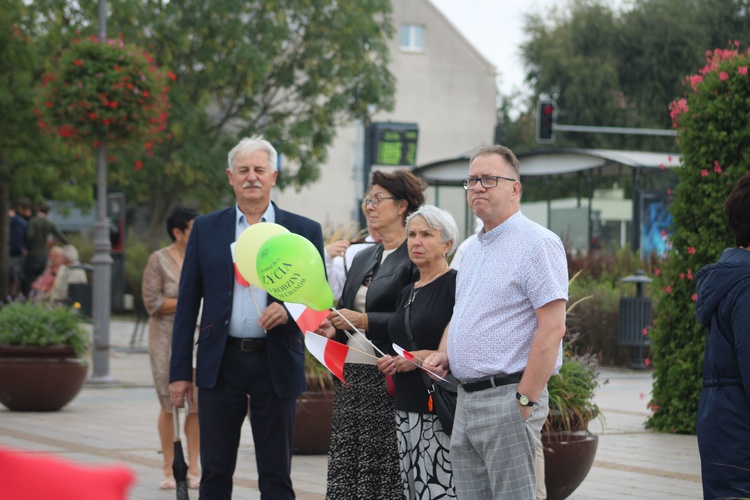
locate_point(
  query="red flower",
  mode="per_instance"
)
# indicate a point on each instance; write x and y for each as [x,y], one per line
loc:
[171,76]
[138,165]
[717,167]
[694,297]
[647,362]
[691,250]
[78,62]
[704,173]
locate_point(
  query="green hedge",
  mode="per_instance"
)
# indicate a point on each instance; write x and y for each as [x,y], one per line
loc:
[713,135]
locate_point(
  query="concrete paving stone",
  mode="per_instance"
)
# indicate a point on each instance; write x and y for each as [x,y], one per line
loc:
[116,423]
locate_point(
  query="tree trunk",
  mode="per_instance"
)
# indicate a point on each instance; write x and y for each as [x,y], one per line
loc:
[4,234]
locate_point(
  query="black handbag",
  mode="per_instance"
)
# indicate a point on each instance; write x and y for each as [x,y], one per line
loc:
[442,395]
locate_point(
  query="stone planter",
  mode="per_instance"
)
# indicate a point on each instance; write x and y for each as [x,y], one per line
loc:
[36,378]
[568,457]
[312,424]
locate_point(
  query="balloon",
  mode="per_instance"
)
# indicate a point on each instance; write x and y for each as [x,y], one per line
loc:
[291,270]
[248,244]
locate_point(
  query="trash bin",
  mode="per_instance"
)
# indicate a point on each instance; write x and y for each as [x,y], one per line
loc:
[81,293]
[635,315]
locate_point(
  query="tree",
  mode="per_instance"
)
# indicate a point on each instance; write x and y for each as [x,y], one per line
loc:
[622,68]
[713,135]
[289,69]
[31,164]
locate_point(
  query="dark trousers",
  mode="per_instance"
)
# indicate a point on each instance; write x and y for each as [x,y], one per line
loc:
[222,410]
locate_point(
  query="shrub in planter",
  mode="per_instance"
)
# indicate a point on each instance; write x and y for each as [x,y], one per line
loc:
[42,324]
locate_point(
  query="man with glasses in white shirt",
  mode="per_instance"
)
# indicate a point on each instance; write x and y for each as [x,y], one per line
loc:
[505,338]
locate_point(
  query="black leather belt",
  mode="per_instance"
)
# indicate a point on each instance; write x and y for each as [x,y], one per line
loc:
[247,345]
[493,381]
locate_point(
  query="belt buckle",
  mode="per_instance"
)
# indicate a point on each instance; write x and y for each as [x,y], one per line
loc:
[248,345]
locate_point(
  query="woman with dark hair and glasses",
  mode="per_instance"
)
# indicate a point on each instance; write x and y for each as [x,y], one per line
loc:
[161,281]
[723,306]
[363,457]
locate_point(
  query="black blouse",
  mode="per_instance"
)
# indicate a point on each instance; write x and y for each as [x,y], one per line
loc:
[431,311]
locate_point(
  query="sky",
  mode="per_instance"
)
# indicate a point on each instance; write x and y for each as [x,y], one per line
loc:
[495,28]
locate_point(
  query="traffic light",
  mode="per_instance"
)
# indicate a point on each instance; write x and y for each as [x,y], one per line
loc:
[545,119]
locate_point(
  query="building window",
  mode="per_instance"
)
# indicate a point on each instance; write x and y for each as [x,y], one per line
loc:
[412,37]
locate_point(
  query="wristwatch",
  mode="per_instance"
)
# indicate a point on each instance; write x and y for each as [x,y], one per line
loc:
[524,400]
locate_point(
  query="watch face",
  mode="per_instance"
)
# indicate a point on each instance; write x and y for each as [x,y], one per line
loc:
[524,400]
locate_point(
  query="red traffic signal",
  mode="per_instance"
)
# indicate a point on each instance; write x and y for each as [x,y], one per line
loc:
[545,119]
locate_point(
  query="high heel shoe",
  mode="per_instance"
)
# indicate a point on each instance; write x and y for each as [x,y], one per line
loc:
[167,483]
[194,482]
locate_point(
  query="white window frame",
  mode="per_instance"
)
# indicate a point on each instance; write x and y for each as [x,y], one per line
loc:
[412,33]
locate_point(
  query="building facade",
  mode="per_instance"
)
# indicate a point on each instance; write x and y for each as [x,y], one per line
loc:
[443,84]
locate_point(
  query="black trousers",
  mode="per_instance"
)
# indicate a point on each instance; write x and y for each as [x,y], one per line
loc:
[221,412]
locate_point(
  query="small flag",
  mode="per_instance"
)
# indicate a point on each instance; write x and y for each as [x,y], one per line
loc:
[410,357]
[306,318]
[330,353]
[240,279]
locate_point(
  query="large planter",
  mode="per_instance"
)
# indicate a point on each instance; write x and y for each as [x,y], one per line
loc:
[40,378]
[312,424]
[568,456]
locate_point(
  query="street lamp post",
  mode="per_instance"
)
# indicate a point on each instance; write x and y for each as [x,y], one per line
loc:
[102,260]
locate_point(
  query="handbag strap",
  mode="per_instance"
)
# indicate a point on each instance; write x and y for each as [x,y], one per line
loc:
[413,345]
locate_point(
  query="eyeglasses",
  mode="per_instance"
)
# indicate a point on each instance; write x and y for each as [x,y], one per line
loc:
[374,202]
[487,182]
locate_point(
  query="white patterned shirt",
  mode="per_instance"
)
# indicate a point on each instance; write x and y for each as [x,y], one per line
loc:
[514,269]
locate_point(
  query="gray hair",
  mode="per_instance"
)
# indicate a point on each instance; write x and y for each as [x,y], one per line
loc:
[505,153]
[439,220]
[250,144]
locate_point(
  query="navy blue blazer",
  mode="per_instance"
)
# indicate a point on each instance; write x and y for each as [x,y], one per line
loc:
[208,274]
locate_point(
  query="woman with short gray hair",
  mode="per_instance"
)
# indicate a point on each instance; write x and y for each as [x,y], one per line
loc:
[427,305]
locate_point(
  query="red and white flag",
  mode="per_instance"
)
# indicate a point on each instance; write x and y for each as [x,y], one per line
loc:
[307,319]
[240,279]
[330,353]
[410,357]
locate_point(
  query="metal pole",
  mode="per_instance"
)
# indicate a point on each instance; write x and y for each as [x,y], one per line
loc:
[102,255]
[614,130]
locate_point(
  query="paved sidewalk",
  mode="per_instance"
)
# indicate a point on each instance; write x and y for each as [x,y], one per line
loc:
[117,423]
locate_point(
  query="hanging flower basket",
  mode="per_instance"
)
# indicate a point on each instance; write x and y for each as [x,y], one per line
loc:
[104,91]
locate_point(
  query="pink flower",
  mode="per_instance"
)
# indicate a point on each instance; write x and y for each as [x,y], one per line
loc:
[647,362]
[694,297]
[668,289]
[691,250]
[669,158]
[682,276]
[645,331]
[661,166]
[704,173]
[690,274]
[676,108]
[694,81]
[657,271]
[723,75]
[717,167]
[742,70]
[641,395]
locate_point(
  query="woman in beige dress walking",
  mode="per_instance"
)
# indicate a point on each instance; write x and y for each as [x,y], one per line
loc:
[161,282]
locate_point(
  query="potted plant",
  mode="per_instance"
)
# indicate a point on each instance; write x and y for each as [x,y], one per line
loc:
[569,447]
[43,350]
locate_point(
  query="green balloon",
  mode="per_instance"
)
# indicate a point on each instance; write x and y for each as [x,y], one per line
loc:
[291,270]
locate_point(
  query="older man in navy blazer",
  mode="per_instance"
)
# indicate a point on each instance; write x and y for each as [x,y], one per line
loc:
[248,345]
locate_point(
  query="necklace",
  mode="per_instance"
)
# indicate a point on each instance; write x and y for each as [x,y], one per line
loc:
[415,290]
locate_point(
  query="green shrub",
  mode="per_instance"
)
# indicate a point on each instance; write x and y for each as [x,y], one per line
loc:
[42,324]
[713,135]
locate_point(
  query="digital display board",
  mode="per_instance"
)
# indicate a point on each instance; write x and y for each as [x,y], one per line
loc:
[395,144]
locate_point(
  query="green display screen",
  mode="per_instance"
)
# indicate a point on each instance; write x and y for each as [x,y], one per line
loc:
[396,144]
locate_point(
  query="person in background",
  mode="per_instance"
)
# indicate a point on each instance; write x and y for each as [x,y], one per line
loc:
[423,445]
[505,337]
[723,306]
[17,226]
[458,256]
[248,345]
[363,457]
[44,286]
[160,284]
[38,235]
[76,272]
[340,254]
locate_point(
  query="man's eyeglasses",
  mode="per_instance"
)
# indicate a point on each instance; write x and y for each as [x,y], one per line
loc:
[487,182]
[374,202]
